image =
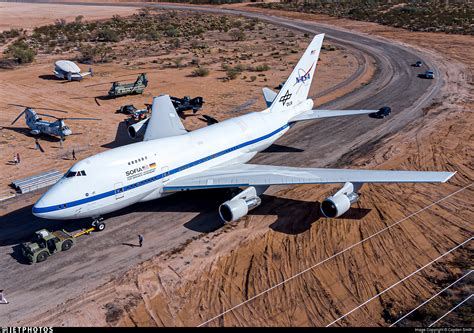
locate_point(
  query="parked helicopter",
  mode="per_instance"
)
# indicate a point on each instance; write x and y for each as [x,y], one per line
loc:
[39,126]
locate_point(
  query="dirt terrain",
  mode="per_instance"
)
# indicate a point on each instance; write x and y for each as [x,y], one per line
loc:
[34,15]
[194,269]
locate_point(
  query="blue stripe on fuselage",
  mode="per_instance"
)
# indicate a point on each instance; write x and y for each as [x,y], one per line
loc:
[154,178]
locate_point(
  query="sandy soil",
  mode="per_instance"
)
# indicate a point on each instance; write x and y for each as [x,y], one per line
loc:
[218,270]
[28,16]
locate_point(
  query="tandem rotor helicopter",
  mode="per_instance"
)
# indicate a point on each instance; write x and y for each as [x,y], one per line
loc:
[56,128]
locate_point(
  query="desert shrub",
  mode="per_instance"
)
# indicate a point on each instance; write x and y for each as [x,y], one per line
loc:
[201,71]
[60,23]
[237,34]
[262,68]
[172,32]
[176,43]
[100,53]
[108,35]
[253,78]
[178,61]
[21,52]
[233,72]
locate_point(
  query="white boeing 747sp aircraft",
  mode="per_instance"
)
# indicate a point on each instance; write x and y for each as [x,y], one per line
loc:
[170,159]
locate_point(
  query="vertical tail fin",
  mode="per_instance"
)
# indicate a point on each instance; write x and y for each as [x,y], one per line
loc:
[296,88]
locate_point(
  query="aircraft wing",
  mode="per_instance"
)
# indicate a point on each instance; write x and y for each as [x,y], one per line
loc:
[253,175]
[164,120]
[316,114]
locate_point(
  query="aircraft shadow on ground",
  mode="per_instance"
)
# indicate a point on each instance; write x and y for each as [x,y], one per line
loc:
[26,132]
[49,77]
[121,137]
[293,216]
[275,148]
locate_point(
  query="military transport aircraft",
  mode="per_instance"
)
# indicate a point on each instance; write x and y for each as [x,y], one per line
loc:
[170,159]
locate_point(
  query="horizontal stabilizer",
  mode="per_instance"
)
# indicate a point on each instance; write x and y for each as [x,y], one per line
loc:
[269,96]
[316,114]
[255,175]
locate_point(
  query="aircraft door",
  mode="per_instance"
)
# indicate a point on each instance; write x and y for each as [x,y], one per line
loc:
[166,173]
[118,190]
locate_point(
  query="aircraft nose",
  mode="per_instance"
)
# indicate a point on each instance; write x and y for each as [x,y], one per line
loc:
[44,206]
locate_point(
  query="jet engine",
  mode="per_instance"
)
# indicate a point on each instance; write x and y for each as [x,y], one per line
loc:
[239,205]
[339,203]
[137,129]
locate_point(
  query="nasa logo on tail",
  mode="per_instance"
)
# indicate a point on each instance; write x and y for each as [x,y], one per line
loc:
[303,75]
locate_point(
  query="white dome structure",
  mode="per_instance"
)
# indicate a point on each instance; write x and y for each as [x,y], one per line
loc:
[68,70]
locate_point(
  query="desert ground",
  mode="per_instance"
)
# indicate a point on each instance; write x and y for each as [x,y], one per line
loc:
[220,275]
[35,15]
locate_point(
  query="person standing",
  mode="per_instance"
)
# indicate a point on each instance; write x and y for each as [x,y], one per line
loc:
[74,155]
[15,160]
[3,300]
[36,144]
[18,157]
[140,240]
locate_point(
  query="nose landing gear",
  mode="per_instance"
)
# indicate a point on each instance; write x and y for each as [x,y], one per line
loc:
[97,223]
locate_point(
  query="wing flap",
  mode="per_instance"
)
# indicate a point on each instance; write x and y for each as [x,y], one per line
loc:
[255,175]
[164,120]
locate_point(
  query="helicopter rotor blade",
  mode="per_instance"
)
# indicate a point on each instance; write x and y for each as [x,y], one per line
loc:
[48,115]
[14,121]
[81,118]
[48,109]
[37,108]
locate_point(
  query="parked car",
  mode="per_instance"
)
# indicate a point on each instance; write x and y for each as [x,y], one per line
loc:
[381,113]
[429,74]
[418,64]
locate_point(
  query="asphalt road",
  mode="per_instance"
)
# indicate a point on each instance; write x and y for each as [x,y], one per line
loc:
[167,223]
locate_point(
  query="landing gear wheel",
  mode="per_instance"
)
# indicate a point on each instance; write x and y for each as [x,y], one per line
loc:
[100,226]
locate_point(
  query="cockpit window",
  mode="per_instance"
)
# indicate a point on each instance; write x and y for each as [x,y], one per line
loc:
[70,174]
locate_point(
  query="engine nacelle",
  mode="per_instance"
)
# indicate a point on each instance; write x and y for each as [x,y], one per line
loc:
[240,205]
[339,203]
[137,129]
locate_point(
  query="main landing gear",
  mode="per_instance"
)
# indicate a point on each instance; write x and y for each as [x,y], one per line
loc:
[97,223]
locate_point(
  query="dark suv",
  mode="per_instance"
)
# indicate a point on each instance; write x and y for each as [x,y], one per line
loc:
[382,112]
